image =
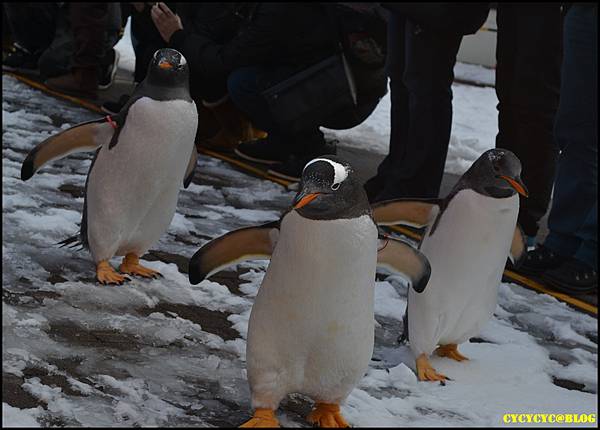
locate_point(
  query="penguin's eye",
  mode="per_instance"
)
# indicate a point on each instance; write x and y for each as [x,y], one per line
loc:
[335,186]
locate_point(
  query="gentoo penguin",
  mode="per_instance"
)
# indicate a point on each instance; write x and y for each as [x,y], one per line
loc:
[311,328]
[144,154]
[468,238]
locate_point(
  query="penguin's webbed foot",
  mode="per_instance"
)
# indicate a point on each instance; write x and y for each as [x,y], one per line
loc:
[450,351]
[105,274]
[327,415]
[264,418]
[131,265]
[425,372]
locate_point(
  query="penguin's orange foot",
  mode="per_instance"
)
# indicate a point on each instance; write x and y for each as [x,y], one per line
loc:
[450,351]
[131,265]
[264,418]
[327,415]
[427,373]
[107,275]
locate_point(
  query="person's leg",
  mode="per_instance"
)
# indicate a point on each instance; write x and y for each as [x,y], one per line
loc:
[419,163]
[32,30]
[573,218]
[31,24]
[576,187]
[245,86]
[56,59]
[528,54]
[399,112]
[89,22]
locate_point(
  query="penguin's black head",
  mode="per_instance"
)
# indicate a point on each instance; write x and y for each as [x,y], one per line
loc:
[168,68]
[329,190]
[497,173]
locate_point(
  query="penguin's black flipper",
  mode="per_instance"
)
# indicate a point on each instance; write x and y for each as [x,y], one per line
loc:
[233,247]
[86,136]
[414,212]
[189,171]
[400,257]
[518,247]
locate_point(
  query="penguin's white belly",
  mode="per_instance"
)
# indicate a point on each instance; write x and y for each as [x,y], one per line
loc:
[311,328]
[467,253]
[133,187]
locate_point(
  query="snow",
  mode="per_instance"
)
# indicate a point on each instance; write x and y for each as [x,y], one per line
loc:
[166,353]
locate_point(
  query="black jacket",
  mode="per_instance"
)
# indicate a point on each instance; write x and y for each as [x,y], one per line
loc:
[296,34]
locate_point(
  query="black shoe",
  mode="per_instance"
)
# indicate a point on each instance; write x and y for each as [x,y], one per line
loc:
[108,71]
[113,108]
[291,168]
[572,277]
[261,151]
[540,260]
[20,60]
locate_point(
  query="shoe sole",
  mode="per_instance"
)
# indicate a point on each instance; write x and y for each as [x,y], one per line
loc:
[568,290]
[254,159]
[22,71]
[283,176]
[113,72]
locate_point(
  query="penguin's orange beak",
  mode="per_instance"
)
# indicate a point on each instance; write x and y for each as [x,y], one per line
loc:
[165,65]
[517,184]
[305,200]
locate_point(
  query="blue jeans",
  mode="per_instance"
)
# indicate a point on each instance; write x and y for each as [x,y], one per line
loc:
[573,219]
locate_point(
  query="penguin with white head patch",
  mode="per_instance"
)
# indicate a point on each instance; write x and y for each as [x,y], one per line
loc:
[311,328]
[143,156]
[469,236]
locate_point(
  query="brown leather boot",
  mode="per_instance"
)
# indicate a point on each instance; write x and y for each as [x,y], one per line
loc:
[80,82]
[235,127]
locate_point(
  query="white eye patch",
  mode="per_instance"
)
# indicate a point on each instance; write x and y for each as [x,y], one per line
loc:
[340,173]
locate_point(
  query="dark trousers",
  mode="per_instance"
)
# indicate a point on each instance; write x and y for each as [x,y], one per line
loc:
[573,220]
[245,86]
[528,55]
[421,71]
[89,22]
[75,34]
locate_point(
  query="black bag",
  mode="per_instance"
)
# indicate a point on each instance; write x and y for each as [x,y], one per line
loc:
[303,100]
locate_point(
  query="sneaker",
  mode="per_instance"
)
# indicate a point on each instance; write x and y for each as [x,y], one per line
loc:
[20,60]
[113,108]
[540,260]
[262,151]
[108,72]
[572,277]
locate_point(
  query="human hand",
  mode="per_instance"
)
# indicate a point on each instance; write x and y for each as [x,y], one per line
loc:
[165,20]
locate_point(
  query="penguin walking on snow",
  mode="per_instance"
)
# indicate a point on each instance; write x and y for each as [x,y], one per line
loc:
[311,328]
[143,156]
[469,236]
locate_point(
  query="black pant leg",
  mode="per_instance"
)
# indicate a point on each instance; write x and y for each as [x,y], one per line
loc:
[420,152]
[90,25]
[529,52]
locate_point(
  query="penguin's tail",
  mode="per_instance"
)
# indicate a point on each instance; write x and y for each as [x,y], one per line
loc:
[72,242]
